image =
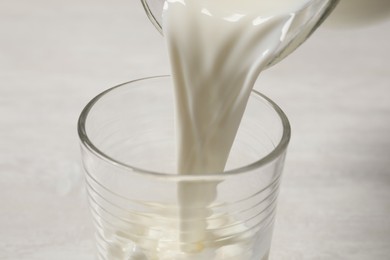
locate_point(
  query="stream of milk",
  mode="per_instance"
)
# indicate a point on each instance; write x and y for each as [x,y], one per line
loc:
[217,49]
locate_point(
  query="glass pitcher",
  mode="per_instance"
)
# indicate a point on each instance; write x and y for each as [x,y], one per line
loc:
[317,12]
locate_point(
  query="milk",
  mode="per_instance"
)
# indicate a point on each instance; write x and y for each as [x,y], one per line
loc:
[217,50]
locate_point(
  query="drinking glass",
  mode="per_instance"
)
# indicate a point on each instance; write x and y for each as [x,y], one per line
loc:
[128,142]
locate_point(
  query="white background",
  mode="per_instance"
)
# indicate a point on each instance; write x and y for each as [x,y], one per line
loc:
[56,55]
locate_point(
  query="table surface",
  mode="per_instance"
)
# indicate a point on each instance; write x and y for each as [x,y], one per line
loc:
[56,55]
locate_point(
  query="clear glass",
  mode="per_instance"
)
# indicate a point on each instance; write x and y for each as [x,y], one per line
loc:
[310,18]
[128,145]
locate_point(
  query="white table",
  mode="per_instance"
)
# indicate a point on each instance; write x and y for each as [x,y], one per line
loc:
[56,55]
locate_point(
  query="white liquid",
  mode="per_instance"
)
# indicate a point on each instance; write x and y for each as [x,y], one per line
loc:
[217,50]
[216,54]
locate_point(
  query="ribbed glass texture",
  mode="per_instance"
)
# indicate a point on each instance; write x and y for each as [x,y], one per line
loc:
[128,148]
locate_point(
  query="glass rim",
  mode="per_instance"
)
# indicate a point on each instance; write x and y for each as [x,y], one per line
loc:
[276,152]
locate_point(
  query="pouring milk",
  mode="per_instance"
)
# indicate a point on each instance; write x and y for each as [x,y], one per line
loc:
[217,49]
